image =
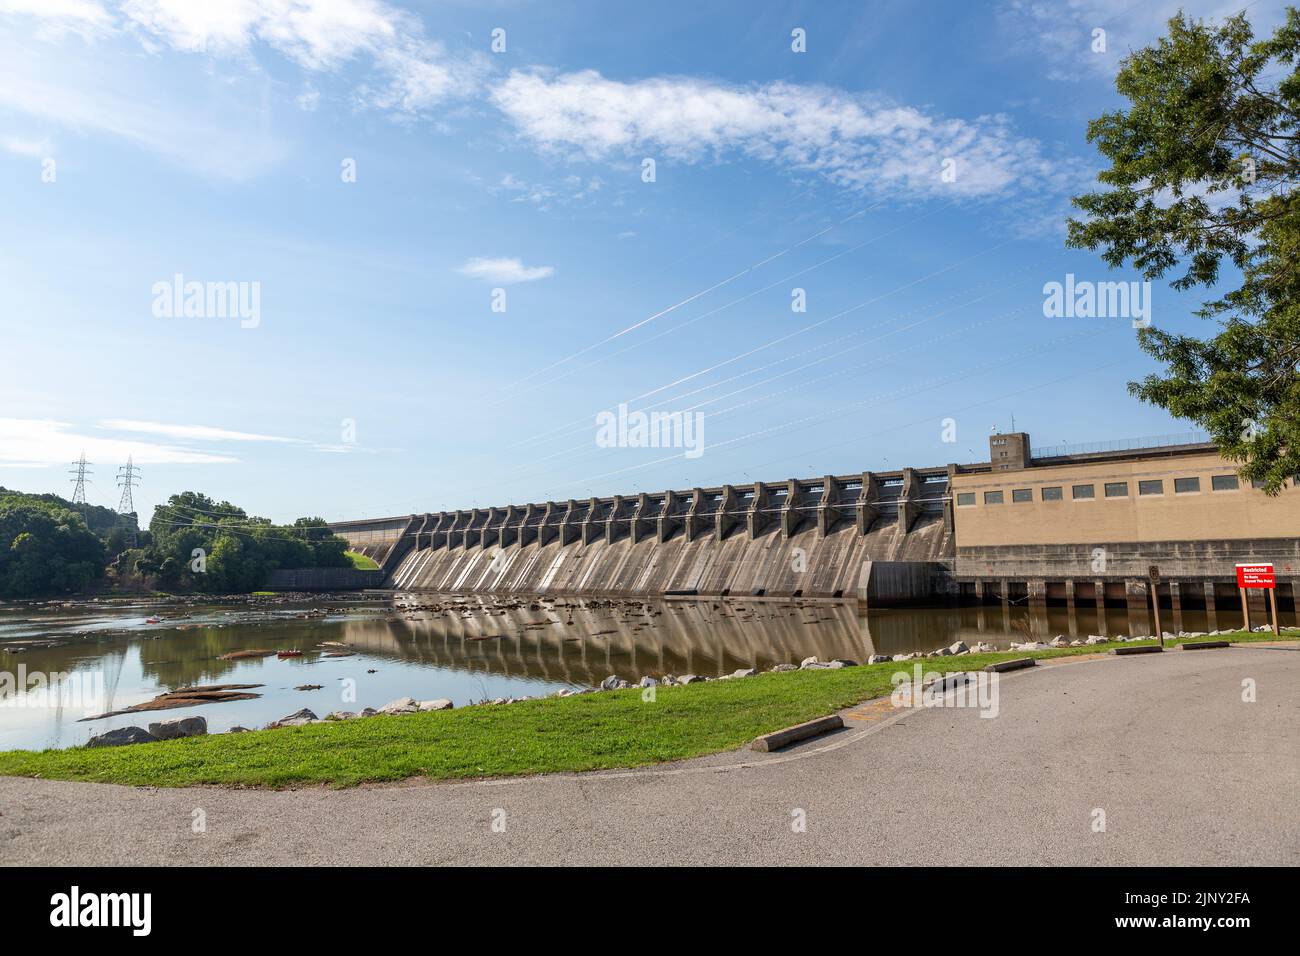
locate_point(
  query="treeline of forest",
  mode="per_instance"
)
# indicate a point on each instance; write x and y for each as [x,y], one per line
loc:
[49,546]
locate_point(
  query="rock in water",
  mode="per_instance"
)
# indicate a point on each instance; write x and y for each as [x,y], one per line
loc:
[121,736]
[179,727]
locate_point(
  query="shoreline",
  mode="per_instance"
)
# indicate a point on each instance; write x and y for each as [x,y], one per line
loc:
[604,730]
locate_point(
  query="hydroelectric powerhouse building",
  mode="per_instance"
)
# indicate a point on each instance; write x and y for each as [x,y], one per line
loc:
[1069,525]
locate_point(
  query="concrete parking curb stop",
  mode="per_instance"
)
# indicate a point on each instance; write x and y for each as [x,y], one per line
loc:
[1199,645]
[1014,665]
[783,738]
[1140,649]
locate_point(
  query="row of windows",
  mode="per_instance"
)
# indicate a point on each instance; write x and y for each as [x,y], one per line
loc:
[1111,489]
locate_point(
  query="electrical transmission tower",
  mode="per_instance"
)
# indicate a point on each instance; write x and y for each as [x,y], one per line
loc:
[80,467]
[127,478]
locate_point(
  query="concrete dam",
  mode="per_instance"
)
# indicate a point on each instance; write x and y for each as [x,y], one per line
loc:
[883,537]
[1129,523]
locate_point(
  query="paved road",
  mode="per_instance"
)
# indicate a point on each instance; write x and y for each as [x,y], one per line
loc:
[1185,771]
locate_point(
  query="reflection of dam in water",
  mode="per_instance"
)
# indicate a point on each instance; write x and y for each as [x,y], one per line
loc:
[584,643]
[628,639]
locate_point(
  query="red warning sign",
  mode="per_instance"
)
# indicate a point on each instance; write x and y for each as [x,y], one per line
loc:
[1255,576]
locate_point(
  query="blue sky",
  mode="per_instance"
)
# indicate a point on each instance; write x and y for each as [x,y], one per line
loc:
[146,139]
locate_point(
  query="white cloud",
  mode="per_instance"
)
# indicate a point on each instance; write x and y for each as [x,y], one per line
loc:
[31,148]
[504,271]
[190,432]
[855,140]
[30,442]
[318,35]
[56,17]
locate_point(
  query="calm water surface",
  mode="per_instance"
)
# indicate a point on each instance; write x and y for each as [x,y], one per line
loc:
[465,649]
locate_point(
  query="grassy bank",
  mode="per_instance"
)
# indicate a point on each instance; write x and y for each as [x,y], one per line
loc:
[360,562]
[583,732]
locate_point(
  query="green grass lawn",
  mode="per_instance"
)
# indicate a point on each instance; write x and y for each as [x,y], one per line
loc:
[583,732]
[360,562]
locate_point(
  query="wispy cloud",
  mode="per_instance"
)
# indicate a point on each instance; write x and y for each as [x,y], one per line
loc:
[191,432]
[504,271]
[82,94]
[56,17]
[860,141]
[34,443]
[31,148]
[412,71]
[1063,35]
[94,87]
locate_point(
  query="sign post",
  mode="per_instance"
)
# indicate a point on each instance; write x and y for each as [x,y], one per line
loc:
[1258,576]
[1153,576]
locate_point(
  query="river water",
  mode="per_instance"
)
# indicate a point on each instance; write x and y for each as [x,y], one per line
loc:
[426,647]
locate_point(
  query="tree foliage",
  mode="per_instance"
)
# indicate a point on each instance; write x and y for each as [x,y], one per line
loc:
[206,545]
[45,549]
[1204,168]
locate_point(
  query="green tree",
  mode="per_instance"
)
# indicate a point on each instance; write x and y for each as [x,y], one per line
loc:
[45,549]
[1204,167]
[239,550]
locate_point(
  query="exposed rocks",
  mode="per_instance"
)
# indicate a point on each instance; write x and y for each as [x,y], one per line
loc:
[296,719]
[958,647]
[783,668]
[188,697]
[808,662]
[121,736]
[403,705]
[442,703]
[179,727]
[743,672]
[690,679]
[648,681]
[879,659]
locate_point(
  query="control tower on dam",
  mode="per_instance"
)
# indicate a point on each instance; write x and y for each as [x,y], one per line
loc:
[1073,525]
[885,536]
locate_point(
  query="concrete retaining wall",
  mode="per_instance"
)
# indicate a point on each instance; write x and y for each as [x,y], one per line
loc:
[324,579]
[1176,559]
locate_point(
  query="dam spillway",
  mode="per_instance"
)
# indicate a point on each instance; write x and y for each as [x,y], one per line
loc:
[881,535]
